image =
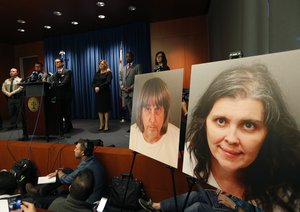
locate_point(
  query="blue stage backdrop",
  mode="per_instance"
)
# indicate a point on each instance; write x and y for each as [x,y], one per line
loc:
[82,54]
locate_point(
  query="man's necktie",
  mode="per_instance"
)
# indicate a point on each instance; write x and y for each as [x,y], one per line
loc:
[11,85]
[128,68]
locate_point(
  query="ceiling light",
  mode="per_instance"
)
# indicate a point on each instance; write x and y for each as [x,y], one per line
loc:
[21,30]
[47,27]
[132,8]
[57,13]
[101,16]
[21,21]
[100,4]
[74,23]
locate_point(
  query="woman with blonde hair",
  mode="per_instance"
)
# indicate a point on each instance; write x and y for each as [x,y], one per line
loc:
[101,85]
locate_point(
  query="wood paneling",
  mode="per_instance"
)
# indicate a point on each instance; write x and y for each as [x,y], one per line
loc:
[185,42]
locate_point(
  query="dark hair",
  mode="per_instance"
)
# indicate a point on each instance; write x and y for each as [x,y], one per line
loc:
[82,186]
[8,183]
[154,89]
[274,176]
[86,146]
[164,58]
[39,63]
[131,54]
[60,59]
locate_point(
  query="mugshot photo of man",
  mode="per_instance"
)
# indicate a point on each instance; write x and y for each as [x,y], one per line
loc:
[152,133]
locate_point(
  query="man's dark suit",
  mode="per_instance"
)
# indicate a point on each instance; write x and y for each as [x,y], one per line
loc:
[126,80]
[64,93]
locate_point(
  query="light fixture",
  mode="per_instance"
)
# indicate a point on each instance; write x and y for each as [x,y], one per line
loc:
[47,27]
[21,30]
[21,21]
[57,13]
[74,23]
[132,8]
[101,16]
[100,4]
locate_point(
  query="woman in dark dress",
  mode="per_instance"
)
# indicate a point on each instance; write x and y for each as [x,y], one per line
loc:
[101,84]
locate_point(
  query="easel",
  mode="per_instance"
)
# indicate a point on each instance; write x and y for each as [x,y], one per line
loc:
[128,180]
[191,181]
[172,169]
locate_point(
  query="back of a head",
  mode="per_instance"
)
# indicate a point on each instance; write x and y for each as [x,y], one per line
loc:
[82,186]
[8,183]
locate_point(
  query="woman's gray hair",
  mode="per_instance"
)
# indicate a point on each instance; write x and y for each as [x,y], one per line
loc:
[248,82]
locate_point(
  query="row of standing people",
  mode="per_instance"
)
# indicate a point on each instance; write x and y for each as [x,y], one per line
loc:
[102,80]
[61,79]
[12,88]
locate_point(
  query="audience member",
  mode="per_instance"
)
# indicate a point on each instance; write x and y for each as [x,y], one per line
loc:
[161,63]
[8,183]
[126,80]
[152,134]
[101,84]
[80,189]
[84,152]
[63,91]
[13,90]
[28,207]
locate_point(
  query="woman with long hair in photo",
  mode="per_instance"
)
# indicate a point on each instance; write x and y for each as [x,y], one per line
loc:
[245,141]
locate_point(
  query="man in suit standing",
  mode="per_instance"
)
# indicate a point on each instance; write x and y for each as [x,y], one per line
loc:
[127,75]
[63,91]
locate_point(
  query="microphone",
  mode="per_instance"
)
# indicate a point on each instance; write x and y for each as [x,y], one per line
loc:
[40,76]
[34,76]
[156,68]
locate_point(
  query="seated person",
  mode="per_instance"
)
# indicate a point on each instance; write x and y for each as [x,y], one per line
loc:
[8,184]
[9,187]
[83,151]
[80,189]
[208,200]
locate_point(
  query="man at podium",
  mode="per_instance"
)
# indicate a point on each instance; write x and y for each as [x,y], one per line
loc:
[63,92]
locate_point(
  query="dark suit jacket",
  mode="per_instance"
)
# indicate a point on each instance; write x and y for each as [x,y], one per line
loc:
[126,79]
[62,83]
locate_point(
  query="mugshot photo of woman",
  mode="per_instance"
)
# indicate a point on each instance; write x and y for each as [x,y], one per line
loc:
[152,133]
[161,63]
[101,85]
[244,141]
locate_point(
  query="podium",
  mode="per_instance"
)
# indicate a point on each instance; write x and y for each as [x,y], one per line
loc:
[41,109]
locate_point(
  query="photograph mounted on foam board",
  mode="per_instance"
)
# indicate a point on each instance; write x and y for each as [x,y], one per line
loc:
[156,113]
[243,128]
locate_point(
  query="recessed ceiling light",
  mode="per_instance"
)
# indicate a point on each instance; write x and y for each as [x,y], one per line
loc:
[132,8]
[101,16]
[57,13]
[74,23]
[100,4]
[21,21]
[21,30]
[47,27]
